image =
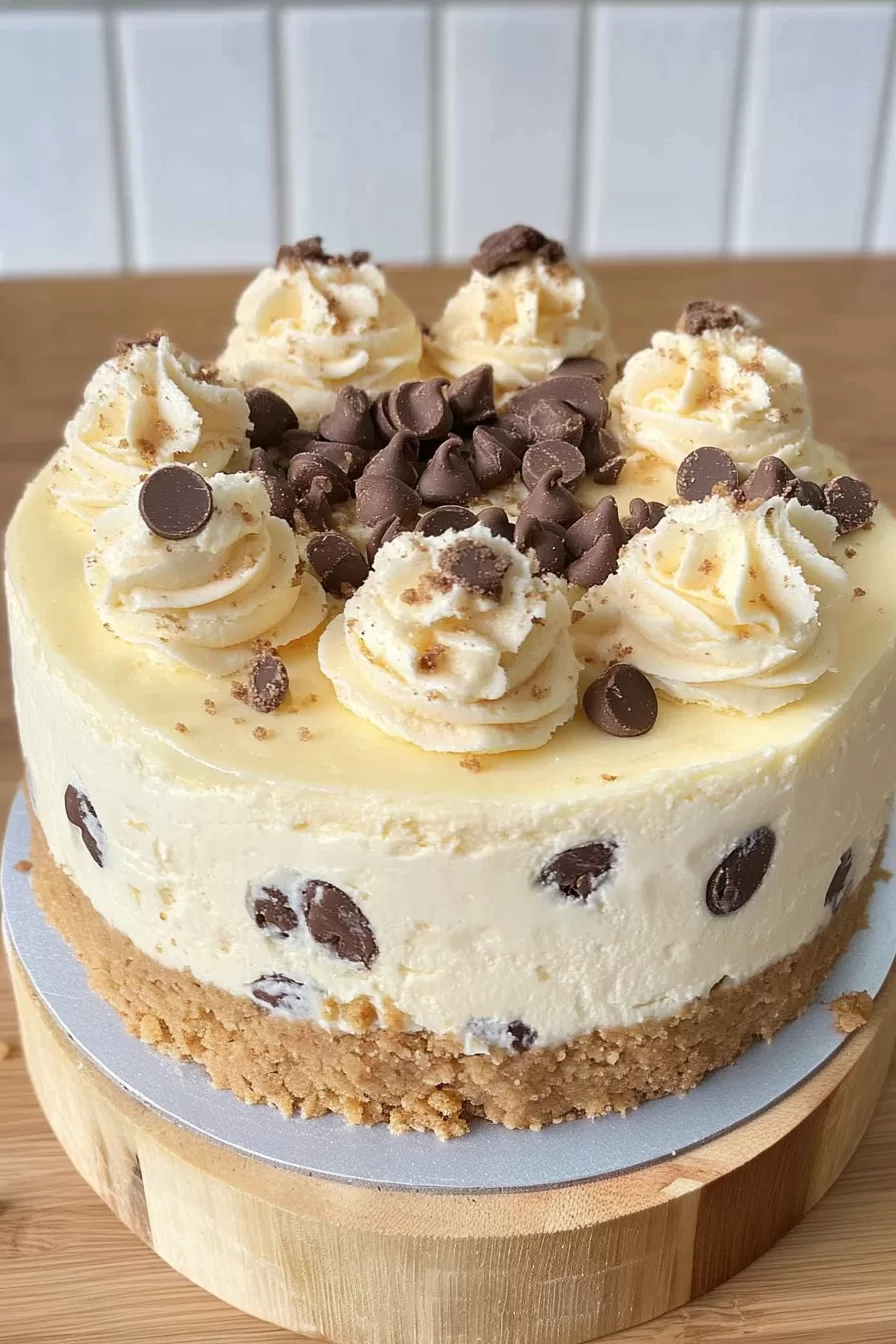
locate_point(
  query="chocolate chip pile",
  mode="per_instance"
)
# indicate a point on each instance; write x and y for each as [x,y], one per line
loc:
[418,455]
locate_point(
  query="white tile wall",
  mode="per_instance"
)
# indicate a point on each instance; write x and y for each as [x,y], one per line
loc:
[660,114]
[509,103]
[815,79]
[166,135]
[197,96]
[357,95]
[58,208]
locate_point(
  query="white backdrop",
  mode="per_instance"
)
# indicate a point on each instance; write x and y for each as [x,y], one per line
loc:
[158,137]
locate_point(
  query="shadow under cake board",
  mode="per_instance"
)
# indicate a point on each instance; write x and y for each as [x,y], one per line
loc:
[489,1158]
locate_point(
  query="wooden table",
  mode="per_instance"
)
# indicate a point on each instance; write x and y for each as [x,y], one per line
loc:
[69,1271]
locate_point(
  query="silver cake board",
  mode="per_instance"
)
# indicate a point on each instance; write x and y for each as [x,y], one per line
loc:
[489,1158]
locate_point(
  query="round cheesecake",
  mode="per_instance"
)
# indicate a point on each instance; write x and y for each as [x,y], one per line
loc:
[426,909]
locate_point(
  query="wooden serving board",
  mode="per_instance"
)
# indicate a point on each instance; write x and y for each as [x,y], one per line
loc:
[361,1265]
[71,1273]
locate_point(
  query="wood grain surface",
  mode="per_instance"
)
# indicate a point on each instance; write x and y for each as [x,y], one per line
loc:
[69,1271]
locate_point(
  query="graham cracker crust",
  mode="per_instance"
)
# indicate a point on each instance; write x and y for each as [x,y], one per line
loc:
[419,1081]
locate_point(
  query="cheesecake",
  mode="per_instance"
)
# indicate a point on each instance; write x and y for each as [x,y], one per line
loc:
[423,726]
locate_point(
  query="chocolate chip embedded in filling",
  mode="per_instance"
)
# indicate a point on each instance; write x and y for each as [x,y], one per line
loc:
[280,993]
[493,1031]
[476,567]
[336,922]
[739,875]
[578,872]
[703,471]
[274,912]
[175,502]
[840,881]
[521,1037]
[268,681]
[271,417]
[82,814]
[621,702]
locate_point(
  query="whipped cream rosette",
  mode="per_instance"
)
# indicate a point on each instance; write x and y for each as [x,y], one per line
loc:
[204,599]
[734,607]
[315,323]
[721,386]
[454,644]
[524,310]
[149,405]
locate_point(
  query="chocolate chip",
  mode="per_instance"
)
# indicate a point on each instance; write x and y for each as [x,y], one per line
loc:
[546,540]
[511,247]
[380,497]
[261,462]
[350,420]
[304,467]
[472,397]
[447,479]
[521,1037]
[268,681]
[770,479]
[271,417]
[313,512]
[339,564]
[740,873]
[621,702]
[643,514]
[578,872]
[515,429]
[810,494]
[476,567]
[550,501]
[702,470]
[421,408]
[281,495]
[380,415]
[603,457]
[274,912]
[596,565]
[840,881]
[551,419]
[294,441]
[582,394]
[285,995]
[82,814]
[336,922]
[708,315]
[493,460]
[175,502]
[293,255]
[348,457]
[385,531]
[582,367]
[847,500]
[497,522]
[446,518]
[398,459]
[541,457]
[604,518]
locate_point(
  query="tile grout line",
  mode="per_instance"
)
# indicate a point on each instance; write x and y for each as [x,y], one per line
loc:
[282,178]
[118,133]
[885,111]
[745,71]
[581,130]
[437,156]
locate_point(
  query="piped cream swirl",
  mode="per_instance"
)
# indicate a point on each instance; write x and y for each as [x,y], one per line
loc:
[425,659]
[726,606]
[148,406]
[524,321]
[203,601]
[725,388]
[307,328]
